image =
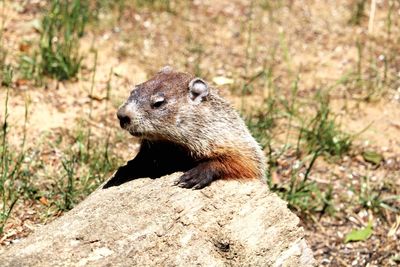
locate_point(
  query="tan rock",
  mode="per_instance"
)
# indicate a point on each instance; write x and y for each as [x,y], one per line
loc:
[150,222]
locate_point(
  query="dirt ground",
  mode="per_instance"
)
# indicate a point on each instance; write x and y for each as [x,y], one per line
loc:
[311,42]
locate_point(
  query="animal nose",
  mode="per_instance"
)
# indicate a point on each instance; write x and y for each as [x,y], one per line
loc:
[124,120]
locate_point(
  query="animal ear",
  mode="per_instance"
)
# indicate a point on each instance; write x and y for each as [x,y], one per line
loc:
[166,69]
[198,90]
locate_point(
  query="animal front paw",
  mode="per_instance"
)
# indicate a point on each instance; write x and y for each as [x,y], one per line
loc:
[196,178]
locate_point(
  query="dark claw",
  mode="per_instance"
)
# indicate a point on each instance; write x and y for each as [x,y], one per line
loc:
[204,182]
[195,178]
[189,183]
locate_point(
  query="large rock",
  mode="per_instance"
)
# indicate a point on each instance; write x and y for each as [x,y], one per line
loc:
[150,222]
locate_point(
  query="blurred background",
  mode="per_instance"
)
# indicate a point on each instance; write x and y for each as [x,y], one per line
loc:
[317,82]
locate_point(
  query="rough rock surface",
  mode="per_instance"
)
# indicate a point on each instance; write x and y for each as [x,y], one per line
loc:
[150,222]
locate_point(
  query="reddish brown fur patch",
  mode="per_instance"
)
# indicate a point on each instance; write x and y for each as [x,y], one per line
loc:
[234,165]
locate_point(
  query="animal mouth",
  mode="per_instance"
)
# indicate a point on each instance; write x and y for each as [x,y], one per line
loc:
[126,125]
[134,133]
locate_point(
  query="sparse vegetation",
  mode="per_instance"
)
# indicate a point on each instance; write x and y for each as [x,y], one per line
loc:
[6,75]
[374,199]
[6,69]
[57,55]
[62,26]
[318,98]
[321,136]
[358,8]
[82,169]
[154,4]
[10,166]
[322,133]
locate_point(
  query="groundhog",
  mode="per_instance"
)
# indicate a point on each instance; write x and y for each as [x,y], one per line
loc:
[183,118]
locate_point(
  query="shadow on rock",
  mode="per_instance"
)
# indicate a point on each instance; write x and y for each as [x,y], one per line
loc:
[155,159]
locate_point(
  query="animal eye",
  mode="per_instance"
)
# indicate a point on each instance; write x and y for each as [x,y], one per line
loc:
[157,101]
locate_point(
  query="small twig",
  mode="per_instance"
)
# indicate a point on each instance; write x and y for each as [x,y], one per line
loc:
[371,16]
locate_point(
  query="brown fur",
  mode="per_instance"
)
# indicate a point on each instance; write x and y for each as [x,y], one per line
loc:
[234,165]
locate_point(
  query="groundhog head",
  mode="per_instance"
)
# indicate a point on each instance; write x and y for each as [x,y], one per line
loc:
[152,110]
